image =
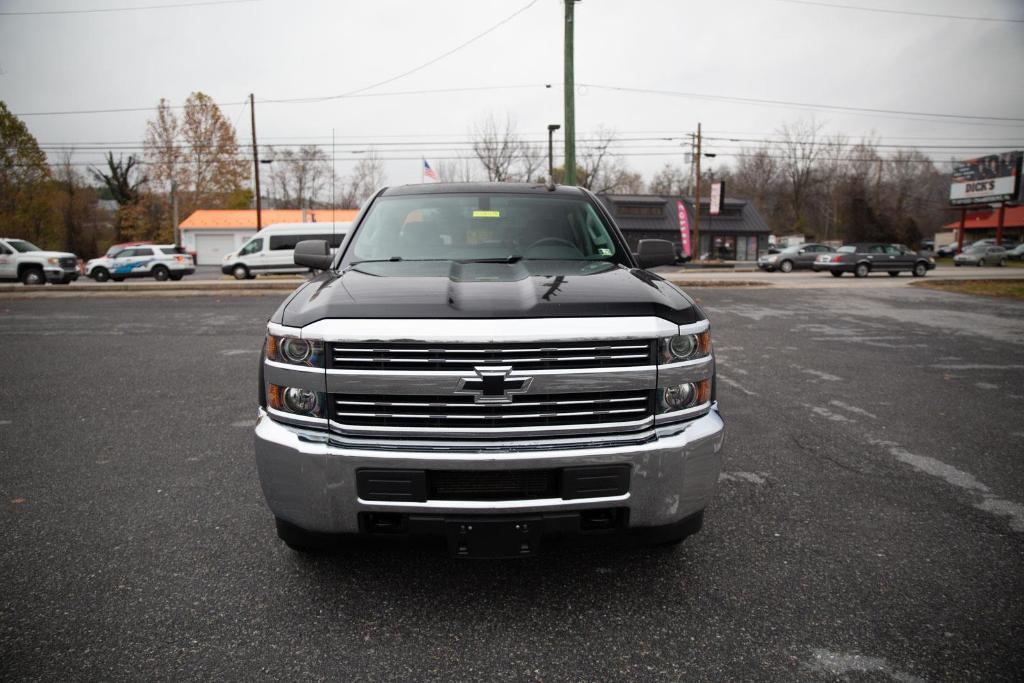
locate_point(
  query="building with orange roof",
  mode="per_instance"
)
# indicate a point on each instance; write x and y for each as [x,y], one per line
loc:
[211,234]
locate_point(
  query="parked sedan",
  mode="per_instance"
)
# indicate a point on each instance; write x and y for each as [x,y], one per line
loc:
[981,255]
[864,258]
[797,257]
[1017,253]
[947,249]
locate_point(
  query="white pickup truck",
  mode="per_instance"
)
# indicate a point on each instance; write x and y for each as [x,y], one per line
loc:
[22,260]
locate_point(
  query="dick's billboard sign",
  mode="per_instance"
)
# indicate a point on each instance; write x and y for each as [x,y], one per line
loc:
[987,179]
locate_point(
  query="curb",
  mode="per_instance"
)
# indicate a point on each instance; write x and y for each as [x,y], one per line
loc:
[212,287]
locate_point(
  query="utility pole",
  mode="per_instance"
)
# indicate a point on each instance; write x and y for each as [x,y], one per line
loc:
[570,106]
[256,164]
[696,202]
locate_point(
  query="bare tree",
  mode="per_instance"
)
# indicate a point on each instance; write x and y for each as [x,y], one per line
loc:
[670,181]
[461,170]
[299,177]
[532,162]
[800,149]
[497,146]
[595,159]
[367,177]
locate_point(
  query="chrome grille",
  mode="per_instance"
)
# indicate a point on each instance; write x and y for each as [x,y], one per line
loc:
[526,410]
[521,356]
[68,262]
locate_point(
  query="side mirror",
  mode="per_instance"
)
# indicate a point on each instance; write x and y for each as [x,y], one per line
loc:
[802,251]
[313,254]
[651,253]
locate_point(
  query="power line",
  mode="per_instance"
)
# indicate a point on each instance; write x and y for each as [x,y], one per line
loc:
[126,9]
[430,91]
[905,12]
[416,68]
[804,105]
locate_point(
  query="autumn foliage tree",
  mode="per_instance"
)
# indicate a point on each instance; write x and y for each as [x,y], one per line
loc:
[25,201]
[194,157]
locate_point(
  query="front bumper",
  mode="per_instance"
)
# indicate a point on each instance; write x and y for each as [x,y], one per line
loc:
[60,274]
[309,479]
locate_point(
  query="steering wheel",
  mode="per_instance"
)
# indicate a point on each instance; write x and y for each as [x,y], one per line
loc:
[554,240]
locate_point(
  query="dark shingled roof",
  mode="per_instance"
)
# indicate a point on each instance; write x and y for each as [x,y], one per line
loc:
[738,217]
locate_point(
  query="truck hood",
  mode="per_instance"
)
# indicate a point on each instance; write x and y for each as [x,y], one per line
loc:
[449,289]
[43,255]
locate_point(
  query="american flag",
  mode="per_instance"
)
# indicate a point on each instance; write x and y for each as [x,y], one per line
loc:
[429,172]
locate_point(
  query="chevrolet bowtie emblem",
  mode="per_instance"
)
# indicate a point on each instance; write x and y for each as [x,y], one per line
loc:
[493,384]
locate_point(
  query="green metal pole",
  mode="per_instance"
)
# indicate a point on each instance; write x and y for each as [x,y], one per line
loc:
[570,110]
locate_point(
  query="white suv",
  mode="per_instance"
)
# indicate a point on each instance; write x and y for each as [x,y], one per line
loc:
[159,261]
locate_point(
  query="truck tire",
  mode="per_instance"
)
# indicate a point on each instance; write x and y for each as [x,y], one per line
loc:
[920,270]
[33,276]
[786,266]
[240,272]
[837,273]
[177,276]
[981,262]
[861,270]
[894,273]
[161,274]
[101,274]
[1002,262]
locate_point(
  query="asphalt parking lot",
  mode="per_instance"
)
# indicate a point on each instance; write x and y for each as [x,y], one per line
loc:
[869,523]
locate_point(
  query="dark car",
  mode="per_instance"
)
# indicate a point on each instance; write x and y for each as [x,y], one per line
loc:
[950,249]
[864,258]
[797,257]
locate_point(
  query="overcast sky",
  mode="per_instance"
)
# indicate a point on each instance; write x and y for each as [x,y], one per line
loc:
[758,49]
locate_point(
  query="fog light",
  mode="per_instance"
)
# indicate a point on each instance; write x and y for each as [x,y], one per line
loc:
[300,400]
[680,397]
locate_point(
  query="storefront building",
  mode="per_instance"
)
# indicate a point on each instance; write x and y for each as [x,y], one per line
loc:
[737,233]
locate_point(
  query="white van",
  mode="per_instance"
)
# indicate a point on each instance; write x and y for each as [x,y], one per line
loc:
[272,249]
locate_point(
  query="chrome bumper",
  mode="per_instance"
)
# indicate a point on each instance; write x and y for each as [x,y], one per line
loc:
[311,483]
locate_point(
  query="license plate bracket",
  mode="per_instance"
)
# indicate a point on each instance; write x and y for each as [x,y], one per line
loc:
[494,539]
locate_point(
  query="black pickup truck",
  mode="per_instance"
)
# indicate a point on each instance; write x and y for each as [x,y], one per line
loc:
[487,365]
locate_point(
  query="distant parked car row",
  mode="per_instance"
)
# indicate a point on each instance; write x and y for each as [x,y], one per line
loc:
[859,259]
[24,261]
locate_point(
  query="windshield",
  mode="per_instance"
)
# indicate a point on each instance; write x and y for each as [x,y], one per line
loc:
[23,246]
[482,227]
[847,249]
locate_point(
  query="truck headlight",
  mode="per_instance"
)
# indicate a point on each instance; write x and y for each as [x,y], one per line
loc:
[682,347]
[53,261]
[683,396]
[296,400]
[296,351]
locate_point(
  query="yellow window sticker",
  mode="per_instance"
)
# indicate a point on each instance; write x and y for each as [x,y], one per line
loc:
[486,214]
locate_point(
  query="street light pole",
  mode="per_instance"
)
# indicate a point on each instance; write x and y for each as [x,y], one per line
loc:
[552,127]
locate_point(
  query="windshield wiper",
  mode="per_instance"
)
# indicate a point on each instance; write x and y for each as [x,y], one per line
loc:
[511,258]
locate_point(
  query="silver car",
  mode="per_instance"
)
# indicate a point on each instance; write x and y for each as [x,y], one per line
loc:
[981,255]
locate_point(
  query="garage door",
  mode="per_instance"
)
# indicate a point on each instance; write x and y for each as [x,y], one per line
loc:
[210,249]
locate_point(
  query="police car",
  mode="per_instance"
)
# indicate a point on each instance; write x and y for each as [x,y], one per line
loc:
[158,261]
